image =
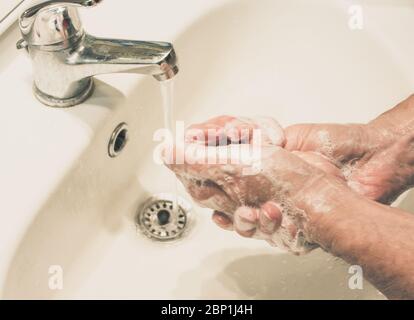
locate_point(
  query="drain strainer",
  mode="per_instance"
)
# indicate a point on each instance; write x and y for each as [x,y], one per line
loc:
[161,220]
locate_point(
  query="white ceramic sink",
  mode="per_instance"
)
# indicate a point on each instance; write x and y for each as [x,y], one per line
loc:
[65,202]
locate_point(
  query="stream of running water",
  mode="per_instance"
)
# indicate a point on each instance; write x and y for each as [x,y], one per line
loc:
[167,92]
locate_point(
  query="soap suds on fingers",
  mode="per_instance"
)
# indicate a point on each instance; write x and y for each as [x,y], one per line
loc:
[327,146]
[223,186]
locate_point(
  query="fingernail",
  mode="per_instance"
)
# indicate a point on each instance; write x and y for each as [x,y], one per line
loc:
[273,213]
[266,225]
[245,221]
[247,214]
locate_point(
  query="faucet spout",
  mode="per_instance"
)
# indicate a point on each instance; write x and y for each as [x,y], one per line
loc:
[65,58]
[99,56]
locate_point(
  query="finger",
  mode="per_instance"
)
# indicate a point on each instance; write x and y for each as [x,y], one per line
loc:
[260,130]
[270,217]
[238,132]
[226,130]
[222,131]
[222,220]
[208,132]
[270,130]
[201,191]
[245,221]
[217,122]
[207,136]
[292,230]
[207,194]
[214,163]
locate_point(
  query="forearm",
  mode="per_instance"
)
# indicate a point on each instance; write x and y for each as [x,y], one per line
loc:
[378,238]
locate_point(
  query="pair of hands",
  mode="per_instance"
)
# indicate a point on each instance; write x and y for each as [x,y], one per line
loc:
[304,169]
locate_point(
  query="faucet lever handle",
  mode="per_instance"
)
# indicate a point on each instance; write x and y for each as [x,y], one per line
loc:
[53,22]
[33,11]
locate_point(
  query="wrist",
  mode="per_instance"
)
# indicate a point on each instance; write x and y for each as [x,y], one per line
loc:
[325,200]
[337,233]
[340,231]
[397,121]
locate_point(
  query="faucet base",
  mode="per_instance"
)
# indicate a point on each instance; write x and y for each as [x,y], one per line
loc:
[54,102]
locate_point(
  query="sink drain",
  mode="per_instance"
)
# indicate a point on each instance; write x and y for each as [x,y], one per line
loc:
[159,220]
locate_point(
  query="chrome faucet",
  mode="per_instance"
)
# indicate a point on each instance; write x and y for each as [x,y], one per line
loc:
[65,57]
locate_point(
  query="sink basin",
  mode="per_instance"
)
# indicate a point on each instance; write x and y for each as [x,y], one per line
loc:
[68,204]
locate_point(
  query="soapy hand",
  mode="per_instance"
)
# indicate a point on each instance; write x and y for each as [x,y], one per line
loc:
[267,205]
[376,158]
[300,198]
[374,161]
